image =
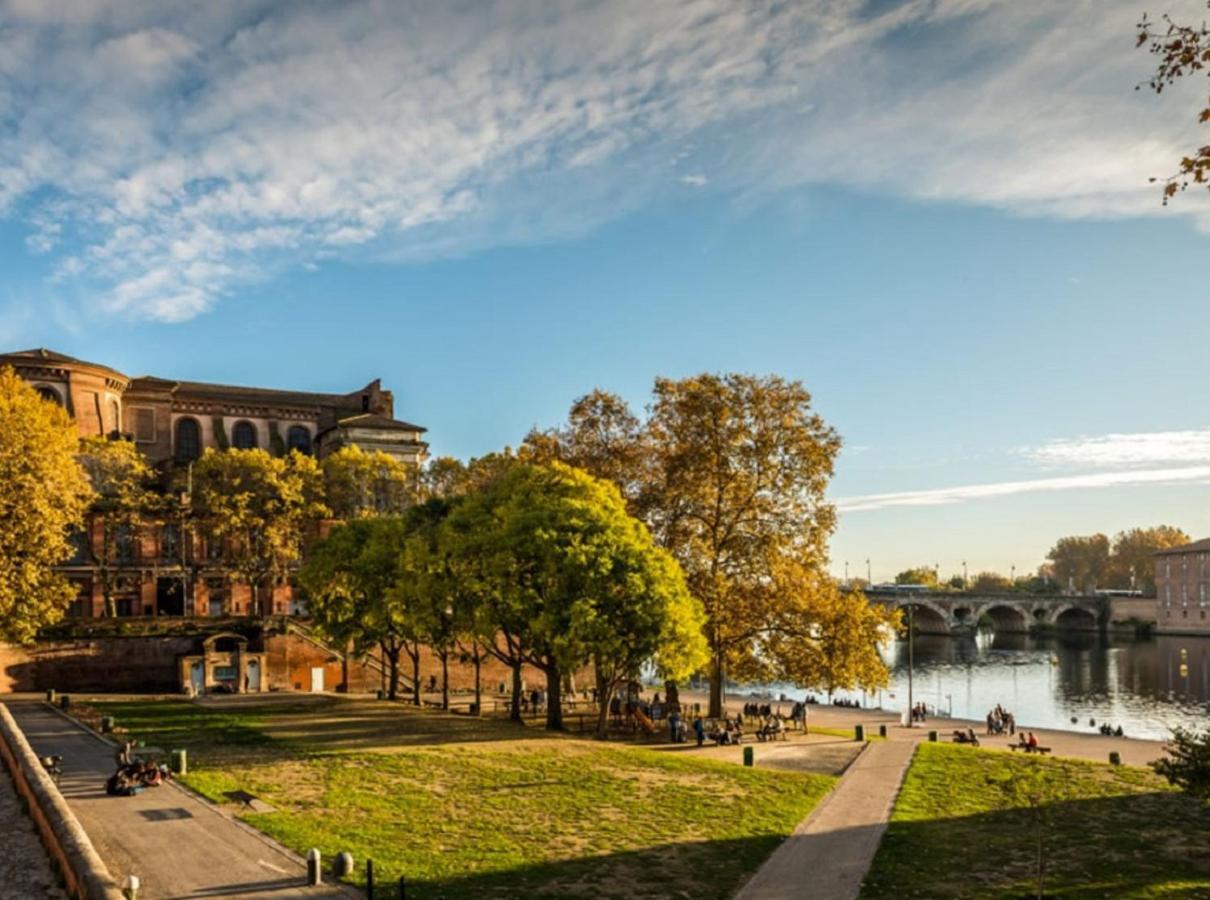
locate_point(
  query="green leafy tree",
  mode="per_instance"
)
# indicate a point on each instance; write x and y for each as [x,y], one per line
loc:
[925,575]
[351,577]
[443,476]
[121,481]
[357,483]
[1132,559]
[1183,51]
[1187,764]
[43,495]
[261,507]
[1080,564]
[1034,788]
[991,583]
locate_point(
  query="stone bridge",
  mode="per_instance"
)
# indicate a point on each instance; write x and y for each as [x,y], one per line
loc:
[964,613]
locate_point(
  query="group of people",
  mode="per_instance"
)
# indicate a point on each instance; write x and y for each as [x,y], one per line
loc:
[730,732]
[1028,741]
[966,737]
[1000,720]
[919,713]
[771,728]
[847,704]
[134,774]
[763,710]
[1109,731]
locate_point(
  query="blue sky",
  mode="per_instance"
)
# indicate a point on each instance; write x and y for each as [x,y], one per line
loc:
[936,215]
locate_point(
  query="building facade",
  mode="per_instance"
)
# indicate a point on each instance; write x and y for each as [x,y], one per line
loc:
[1182,582]
[166,568]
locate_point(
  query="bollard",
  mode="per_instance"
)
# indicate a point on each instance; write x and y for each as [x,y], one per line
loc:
[382,695]
[64,702]
[882,731]
[106,724]
[50,695]
[342,865]
[748,757]
[180,762]
[403,888]
[369,879]
[314,876]
[130,889]
[933,737]
[859,732]
[1115,758]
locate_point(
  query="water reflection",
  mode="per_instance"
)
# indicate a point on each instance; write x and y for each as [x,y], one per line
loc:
[1144,686]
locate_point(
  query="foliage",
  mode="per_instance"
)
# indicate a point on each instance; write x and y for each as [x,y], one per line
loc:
[1132,560]
[991,583]
[259,506]
[443,476]
[565,574]
[1187,764]
[43,496]
[357,483]
[121,481]
[1080,564]
[1034,789]
[1118,831]
[465,810]
[1182,50]
[925,575]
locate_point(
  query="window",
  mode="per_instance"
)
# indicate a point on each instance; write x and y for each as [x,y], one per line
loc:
[188,440]
[49,393]
[298,438]
[243,436]
[144,426]
[125,544]
[170,542]
[115,416]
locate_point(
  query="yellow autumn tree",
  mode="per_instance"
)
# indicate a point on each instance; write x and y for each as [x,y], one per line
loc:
[43,495]
[358,484]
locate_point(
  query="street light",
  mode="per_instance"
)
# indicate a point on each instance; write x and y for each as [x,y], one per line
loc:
[911,642]
[964,574]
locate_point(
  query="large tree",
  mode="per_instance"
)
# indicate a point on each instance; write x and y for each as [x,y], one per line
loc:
[260,507]
[1080,564]
[43,495]
[123,499]
[357,483]
[926,575]
[1132,558]
[1183,50]
[736,492]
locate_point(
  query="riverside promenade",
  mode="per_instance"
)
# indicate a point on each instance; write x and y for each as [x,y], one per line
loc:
[179,845]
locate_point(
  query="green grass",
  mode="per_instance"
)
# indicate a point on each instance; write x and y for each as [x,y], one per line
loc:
[1114,832]
[466,808]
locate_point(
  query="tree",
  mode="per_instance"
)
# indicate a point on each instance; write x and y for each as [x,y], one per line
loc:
[991,583]
[735,489]
[351,577]
[1132,560]
[1033,787]
[1187,764]
[120,477]
[444,476]
[1182,50]
[1080,564]
[357,483]
[259,506]
[43,495]
[430,580]
[925,575]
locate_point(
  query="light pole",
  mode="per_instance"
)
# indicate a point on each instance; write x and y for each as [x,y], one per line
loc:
[846,573]
[911,642]
[869,580]
[964,574]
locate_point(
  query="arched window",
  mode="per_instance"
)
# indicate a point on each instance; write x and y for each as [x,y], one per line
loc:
[188,440]
[243,436]
[49,393]
[115,416]
[298,438]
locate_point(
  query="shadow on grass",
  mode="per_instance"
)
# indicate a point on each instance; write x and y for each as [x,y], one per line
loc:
[1131,845]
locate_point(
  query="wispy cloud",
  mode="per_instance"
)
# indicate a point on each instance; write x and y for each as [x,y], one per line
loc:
[1130,449]
[965,493]
[165,153]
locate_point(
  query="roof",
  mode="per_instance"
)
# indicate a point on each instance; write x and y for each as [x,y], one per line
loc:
[373,420]
[1196,547]
[53,357]
[271,395]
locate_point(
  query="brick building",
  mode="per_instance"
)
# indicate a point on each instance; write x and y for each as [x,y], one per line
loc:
[168,570]
[1182,582]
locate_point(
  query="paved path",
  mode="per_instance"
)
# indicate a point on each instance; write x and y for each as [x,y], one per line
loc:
[830,852]
[178,845]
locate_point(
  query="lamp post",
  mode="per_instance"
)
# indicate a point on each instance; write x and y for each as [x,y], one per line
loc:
[869,580]
[964,574]
[911,660]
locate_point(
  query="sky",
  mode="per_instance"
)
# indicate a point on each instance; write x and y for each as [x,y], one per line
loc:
[937,215]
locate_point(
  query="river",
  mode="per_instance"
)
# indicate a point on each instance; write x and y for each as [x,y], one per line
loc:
[1145,686]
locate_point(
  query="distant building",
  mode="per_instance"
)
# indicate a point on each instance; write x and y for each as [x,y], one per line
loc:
[165,571]
[1182,582]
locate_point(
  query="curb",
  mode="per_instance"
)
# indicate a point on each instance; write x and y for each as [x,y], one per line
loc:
[85,874]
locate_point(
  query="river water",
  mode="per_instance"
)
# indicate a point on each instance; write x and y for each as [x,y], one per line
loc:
[1146,686]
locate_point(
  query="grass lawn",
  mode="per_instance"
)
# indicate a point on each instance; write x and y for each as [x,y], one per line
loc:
[1114,832]
[477,808]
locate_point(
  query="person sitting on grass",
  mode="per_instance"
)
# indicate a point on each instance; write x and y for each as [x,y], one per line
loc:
[972,737]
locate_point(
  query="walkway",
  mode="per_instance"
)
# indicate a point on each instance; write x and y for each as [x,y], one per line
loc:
[830,852]
[178,845]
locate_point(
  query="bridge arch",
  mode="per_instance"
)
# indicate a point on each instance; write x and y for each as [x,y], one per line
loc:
[1073,617]
[928,617]
[1005,617]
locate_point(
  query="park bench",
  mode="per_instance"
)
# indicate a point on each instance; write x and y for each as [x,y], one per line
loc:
[1028,749]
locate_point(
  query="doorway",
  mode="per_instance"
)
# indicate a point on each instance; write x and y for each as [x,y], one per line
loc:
[253,674]
[317,680]
[169,597]
[196,679]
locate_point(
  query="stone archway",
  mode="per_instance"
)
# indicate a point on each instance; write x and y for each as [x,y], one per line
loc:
[1075,618]
[1005,617]
[927,617]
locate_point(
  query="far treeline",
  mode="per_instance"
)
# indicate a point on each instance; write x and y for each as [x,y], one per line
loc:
[691,540]
[1081,564]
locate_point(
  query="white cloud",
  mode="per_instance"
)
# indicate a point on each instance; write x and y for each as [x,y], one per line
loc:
[962,494]
[143,140]
[1136,449]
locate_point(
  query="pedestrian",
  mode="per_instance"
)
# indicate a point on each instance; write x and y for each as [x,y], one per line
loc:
[699,730]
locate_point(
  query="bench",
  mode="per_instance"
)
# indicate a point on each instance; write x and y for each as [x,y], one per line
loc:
[1028,749]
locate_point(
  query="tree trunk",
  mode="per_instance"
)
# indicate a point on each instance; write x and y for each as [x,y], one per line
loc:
[554,698]
[416,676]
[604,695]
[716,688]
[514,712]
[344,667]
[445,679]
[478,660]
[392,657]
